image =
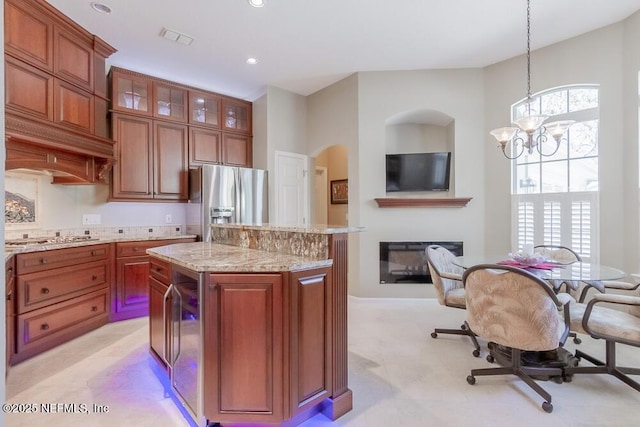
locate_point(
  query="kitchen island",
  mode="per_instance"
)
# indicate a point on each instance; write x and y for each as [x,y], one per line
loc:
[270,320]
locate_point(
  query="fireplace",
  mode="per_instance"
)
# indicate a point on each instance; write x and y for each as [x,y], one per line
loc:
[405,262]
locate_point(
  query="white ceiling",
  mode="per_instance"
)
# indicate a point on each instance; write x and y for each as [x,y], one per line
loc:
[305,45]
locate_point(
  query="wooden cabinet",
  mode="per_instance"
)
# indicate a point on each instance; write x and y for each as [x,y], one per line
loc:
[170,102]
[205,146]
[236,116]
[217,130]
[28,33]
[130,295]
[204,109]
[267,345]
[55,82]
[61,294]
[130,92]
[151,159]
[10,312]
[243,348]
[28,89]
[73,57]
[236,150]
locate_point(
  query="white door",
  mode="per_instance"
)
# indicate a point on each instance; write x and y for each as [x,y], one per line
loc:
[320,195]
[291,189]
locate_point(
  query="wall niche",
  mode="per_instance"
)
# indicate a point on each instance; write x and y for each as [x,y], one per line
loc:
[421,131]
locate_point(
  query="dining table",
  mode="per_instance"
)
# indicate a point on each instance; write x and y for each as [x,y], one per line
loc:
[556,274]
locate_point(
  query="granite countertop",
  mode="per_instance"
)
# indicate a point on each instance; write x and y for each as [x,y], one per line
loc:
[212,257]
[311,228]
[12,250]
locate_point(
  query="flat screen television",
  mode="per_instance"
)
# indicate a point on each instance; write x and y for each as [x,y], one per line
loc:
[418,171]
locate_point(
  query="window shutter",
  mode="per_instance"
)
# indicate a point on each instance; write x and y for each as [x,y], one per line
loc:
[552,215]
[581,228]
[525,225]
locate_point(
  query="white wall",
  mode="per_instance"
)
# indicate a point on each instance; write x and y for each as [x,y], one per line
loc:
[62,206]
[456,93]
[596,57]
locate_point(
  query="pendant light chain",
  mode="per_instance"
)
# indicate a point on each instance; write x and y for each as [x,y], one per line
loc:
[529,55]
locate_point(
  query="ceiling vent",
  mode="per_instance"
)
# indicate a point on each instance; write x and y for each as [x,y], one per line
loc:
[176,36]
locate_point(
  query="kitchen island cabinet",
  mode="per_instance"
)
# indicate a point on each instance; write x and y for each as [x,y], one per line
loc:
[264,328]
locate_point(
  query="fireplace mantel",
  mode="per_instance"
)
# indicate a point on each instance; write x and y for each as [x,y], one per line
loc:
[414,202]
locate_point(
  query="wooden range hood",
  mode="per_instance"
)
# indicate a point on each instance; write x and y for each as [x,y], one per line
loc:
[71,158]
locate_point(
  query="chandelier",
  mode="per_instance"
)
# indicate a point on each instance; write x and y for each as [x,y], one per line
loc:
[529,131]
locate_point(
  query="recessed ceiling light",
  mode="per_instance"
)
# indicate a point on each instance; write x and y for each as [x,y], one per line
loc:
[256,3]
[252,61]
[100,7]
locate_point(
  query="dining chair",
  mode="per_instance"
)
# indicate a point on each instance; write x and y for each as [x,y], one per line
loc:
[579,289]
[517,310]
[615,319]
[447,281]
[565,255]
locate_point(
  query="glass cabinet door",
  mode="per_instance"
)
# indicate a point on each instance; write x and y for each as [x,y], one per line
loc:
[236,116]
[132,94]
[204,109]
[170,102]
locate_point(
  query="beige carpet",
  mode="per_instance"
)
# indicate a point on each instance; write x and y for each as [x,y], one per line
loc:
[399,375]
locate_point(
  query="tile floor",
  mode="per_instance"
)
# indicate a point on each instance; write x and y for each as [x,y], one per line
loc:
[399,375]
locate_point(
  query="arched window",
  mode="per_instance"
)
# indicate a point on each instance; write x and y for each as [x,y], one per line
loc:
[555,197]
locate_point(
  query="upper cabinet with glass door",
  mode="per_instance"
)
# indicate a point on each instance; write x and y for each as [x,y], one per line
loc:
[236,116]
[130,92]
[204,109]
[170,102]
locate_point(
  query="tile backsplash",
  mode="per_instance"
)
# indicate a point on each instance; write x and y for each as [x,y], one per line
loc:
[100,232]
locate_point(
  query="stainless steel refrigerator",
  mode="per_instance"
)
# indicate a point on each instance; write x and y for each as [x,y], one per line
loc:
[226,194]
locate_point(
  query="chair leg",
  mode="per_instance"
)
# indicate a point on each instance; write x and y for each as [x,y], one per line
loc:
[523,373]
[608,367]
[464,330]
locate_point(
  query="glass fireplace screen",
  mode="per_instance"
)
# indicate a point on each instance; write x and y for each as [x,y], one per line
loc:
[405,262]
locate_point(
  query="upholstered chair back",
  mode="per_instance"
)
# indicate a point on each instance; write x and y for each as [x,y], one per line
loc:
[446,276]
[635,309]
[512,307]
[559,254]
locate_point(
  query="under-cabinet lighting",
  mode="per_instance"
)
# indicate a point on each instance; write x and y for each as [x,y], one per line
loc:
[252,61]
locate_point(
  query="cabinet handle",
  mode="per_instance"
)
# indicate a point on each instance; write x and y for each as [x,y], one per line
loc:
[43,260]
[135,249]
[94,253]
[44,291]
[44,327]
[94,308]
[9,270]
[94,278]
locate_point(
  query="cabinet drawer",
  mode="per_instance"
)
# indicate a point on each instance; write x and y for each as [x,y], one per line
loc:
[58,321]
[160,270]
[36,290]
[46,260]
[135,248]
[139,248]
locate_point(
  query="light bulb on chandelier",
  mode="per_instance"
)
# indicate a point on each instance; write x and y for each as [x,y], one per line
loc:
[530,132]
